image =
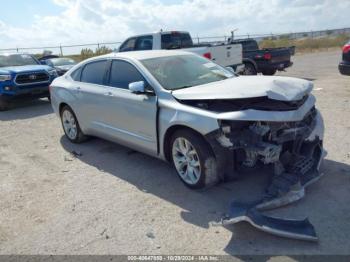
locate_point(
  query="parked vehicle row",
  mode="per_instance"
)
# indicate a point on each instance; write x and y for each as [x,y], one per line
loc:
[22,77]
[224,54]
[344,65]
[61,64]
[32,81]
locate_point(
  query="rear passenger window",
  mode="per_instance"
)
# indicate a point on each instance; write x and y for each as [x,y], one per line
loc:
[124,73]
[144,43]
[76,74]
[94,72]
[129,45]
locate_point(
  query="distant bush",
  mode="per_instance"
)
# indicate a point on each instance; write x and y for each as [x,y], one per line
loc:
[102,50]
[86,53]
[307,44]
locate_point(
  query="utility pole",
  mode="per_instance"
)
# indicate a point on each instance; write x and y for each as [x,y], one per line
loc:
[233,33]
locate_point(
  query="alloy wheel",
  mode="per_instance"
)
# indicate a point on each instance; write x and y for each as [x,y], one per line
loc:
[186,160]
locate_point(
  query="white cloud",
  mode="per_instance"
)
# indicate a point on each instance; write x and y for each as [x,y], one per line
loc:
[86,21]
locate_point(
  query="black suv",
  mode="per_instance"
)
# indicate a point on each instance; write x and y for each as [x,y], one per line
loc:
[344,66]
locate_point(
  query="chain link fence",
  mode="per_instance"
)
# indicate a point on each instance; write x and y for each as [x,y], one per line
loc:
[64,50]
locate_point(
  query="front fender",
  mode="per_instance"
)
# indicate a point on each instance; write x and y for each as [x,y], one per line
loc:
[173,114]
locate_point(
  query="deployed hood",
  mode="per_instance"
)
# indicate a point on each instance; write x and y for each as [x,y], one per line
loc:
[24,69]
[273,87]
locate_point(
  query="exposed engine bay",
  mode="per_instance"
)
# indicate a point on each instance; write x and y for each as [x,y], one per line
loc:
[257,103]
[283,145]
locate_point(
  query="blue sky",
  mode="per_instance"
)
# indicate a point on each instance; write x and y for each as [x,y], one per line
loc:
[51,22]
[26,11]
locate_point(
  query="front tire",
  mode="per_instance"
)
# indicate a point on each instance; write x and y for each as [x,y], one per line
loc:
[3,105]
[193,159]
[71,126]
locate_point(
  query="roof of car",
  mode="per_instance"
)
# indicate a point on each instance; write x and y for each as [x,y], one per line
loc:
[140,55]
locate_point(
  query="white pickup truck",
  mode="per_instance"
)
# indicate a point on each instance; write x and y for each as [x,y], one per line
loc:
[227,55]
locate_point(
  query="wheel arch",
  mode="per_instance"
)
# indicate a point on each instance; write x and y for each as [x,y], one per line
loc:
[250,61]
[171,131]
[61,105]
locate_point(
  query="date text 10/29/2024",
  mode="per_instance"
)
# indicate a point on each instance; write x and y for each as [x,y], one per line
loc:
[172,258]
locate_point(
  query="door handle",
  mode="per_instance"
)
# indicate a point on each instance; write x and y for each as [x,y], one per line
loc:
[109,93]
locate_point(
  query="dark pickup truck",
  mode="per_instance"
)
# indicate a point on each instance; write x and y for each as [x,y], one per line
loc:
[266,61]
[344,65]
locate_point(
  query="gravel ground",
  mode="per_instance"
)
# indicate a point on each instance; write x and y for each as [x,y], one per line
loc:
[112,200]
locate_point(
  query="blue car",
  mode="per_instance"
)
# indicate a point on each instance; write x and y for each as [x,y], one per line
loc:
[23,77]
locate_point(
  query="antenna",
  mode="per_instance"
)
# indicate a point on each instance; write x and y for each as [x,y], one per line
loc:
[233,33]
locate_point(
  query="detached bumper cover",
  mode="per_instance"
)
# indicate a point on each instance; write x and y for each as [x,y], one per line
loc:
[296,229]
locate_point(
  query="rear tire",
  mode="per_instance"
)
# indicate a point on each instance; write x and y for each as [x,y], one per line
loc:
[193,159]
[71,126]
[249,69]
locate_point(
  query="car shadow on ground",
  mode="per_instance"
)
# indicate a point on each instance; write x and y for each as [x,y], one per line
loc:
[156,177]
[26,110]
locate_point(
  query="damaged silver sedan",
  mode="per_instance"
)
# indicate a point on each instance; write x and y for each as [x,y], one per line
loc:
[210,123]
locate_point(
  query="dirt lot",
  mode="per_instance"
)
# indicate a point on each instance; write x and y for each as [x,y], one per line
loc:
[112,200]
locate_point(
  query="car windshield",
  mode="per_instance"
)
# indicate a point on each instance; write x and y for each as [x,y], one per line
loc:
[62,61]
[17,60]
[182,71]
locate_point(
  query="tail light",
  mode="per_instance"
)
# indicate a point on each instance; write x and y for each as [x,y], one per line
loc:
[267,56]
[207,55]
[346,48]
[50,88]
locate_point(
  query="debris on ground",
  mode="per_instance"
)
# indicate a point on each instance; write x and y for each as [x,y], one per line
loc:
[76,153]
[150,235]
[296,229]
[284,189]
[66,158]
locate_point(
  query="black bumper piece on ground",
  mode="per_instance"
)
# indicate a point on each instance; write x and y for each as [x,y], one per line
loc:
[344,68]
[296,229]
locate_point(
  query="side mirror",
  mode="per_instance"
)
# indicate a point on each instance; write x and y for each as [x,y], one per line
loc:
[137,87]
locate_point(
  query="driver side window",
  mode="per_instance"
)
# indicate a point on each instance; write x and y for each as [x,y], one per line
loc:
[123,73]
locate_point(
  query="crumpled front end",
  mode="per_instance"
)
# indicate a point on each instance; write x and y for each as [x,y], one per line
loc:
[293,151]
